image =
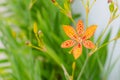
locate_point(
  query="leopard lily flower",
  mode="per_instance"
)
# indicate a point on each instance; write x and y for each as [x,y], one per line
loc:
[78,37]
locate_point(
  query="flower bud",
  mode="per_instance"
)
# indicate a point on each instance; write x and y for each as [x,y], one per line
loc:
[109,1]
[14,34]
[28,43]
[53,1]
[71,1]
[73,65]
[39,32]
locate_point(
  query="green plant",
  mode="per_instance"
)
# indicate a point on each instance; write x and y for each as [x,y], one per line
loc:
[32,34]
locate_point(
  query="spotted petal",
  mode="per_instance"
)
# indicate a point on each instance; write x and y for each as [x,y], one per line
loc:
[89,44]
[70,32]
[67,44]
[77,51]
[89,32]
[80,27]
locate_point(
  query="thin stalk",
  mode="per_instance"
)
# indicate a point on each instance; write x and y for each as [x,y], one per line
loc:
[37,39]
[92,4]
[113,65]
[101,47]
[73,69]
[105,44]
[57,5]
[72,78]
[87,12]
[65,72]
[108,67]
[73,20]
[38,48]
[99,39]
[117,16]
[99,62]
[30,33]
[109,22]
[52,75]
[113,48]
[32,3]
[86,19]
[83,67]
[86,6]
[83,3]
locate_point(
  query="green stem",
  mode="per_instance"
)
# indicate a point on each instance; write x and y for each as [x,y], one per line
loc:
[113,48]
[92,4]
[38,40]
[108,67]
[101,46]
[110,20]
[105,44]
[65,72]
[86,19]
[99,39]
[37,48]
[57,5]
[83,3]
[99,62]
[73,69]
[73,21]
[32,3]
[113,64]
[83,67]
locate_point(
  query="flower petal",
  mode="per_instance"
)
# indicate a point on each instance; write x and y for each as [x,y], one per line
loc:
[89,32]
[80,27]
[77,51]
[67,43]
[69,30]
[89,44]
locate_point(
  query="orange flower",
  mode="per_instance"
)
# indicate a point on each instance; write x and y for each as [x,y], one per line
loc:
[78,38]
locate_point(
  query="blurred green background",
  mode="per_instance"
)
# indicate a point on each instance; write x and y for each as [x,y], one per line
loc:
[28,63]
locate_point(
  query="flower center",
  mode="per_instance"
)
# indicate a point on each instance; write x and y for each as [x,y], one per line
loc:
[80,40]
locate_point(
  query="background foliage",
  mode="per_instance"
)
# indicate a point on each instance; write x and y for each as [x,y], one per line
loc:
[27,63]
